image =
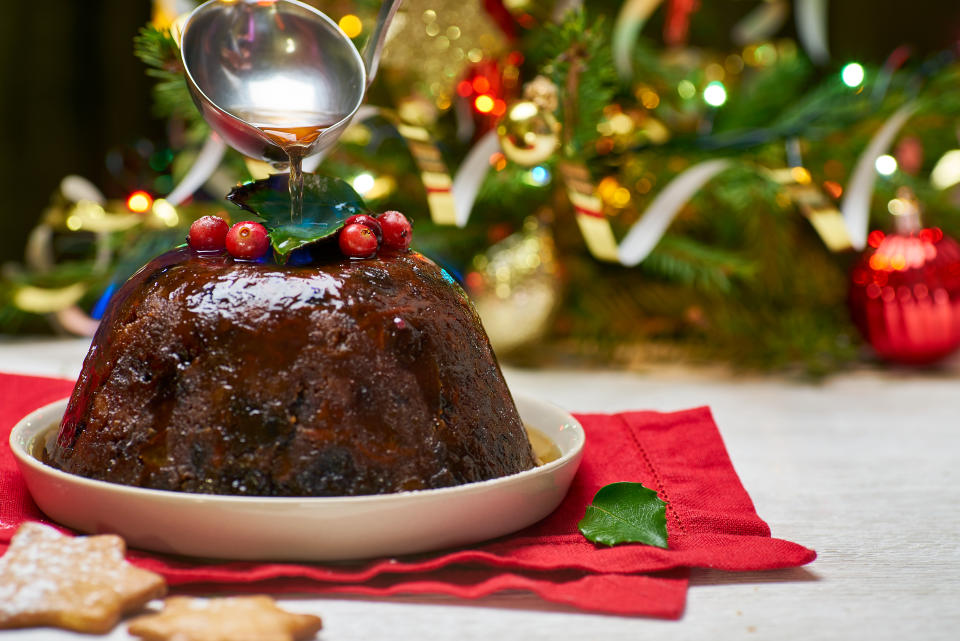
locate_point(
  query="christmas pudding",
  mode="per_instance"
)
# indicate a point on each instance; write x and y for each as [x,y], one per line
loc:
[343,376]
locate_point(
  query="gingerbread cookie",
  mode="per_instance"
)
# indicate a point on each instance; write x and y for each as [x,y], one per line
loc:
[80,583]
[246,618]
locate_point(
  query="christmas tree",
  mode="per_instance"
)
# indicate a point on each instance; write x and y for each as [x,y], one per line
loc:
[614,181]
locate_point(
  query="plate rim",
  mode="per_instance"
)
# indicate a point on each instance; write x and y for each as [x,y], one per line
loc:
[24,457]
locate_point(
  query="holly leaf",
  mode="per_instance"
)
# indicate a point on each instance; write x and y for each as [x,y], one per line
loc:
[327,203]
[626,513]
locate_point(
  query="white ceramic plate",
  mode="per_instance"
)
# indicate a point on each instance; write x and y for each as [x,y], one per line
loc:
[303,529]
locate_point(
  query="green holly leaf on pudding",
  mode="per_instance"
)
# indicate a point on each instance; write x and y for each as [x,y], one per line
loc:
[327,203]
[626,513]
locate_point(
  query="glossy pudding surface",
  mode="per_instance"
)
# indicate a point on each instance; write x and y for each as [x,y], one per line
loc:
[353,377]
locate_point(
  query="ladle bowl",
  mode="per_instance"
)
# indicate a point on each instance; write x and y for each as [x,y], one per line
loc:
[280,63]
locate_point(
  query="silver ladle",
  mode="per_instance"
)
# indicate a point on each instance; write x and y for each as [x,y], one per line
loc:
[262,73]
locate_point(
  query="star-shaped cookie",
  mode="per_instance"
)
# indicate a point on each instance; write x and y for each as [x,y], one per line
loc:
[80,583]
[247,618]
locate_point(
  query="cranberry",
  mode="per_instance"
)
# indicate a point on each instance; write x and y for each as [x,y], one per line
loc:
[208,234]
[358,241]
[397,231]
[248,240]
[367,221]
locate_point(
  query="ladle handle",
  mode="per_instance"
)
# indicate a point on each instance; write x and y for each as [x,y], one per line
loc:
[371,52]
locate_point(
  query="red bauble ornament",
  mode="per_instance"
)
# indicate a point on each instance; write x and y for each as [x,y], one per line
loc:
[905,293]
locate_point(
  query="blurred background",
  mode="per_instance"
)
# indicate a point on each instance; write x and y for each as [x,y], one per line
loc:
[755,270]
[70,90]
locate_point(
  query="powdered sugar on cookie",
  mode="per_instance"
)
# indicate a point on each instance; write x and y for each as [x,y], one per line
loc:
[79,583]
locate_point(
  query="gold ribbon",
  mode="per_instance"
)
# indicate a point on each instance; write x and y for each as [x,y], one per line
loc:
[588,208]
[433,170]
[815,206]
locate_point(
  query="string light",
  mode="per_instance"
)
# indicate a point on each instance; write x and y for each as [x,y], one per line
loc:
[166,212]
[139,201]
[852,74]
[715,94]
[539,175]
[484,104]
[886,165]
[946,173]
[498,161]
[363,183]
[351,25]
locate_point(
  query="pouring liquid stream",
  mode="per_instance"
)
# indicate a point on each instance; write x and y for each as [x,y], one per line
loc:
[293,132]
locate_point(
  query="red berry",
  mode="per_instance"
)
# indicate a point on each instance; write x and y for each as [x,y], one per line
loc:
[358,241]
[248,240]
[367,221]
[208,234]
[397,230]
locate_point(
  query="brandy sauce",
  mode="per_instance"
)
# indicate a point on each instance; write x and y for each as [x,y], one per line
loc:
[544,450]
[294,132]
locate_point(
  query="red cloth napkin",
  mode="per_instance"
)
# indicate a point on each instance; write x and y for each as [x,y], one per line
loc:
[710,520]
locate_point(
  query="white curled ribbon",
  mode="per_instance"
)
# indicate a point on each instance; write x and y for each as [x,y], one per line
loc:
[647,232]
[855,205]
[811,19]
[643,235]
[473,170]
[633,15]
[200,171]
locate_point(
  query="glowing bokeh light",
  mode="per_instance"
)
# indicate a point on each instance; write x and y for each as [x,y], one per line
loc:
[540,175]
[897,206]
[363,183]
[886,165]
[852,74]
[166,212]
[351,25]
[523,110]
[139,201]
[833,188]
[481,84]
[946,173]
[484,104]
[715,94]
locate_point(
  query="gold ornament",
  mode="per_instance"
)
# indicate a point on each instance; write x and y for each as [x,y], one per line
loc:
[528,134]
[432,42]
[530,12]
[543,92]
[516,287]
[167,12]
[106,226]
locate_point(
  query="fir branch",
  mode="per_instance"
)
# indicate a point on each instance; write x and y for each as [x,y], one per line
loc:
[684,260]
[580,63]
[159,51]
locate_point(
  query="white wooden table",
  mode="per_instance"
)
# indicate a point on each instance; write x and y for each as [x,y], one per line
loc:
[863,468]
